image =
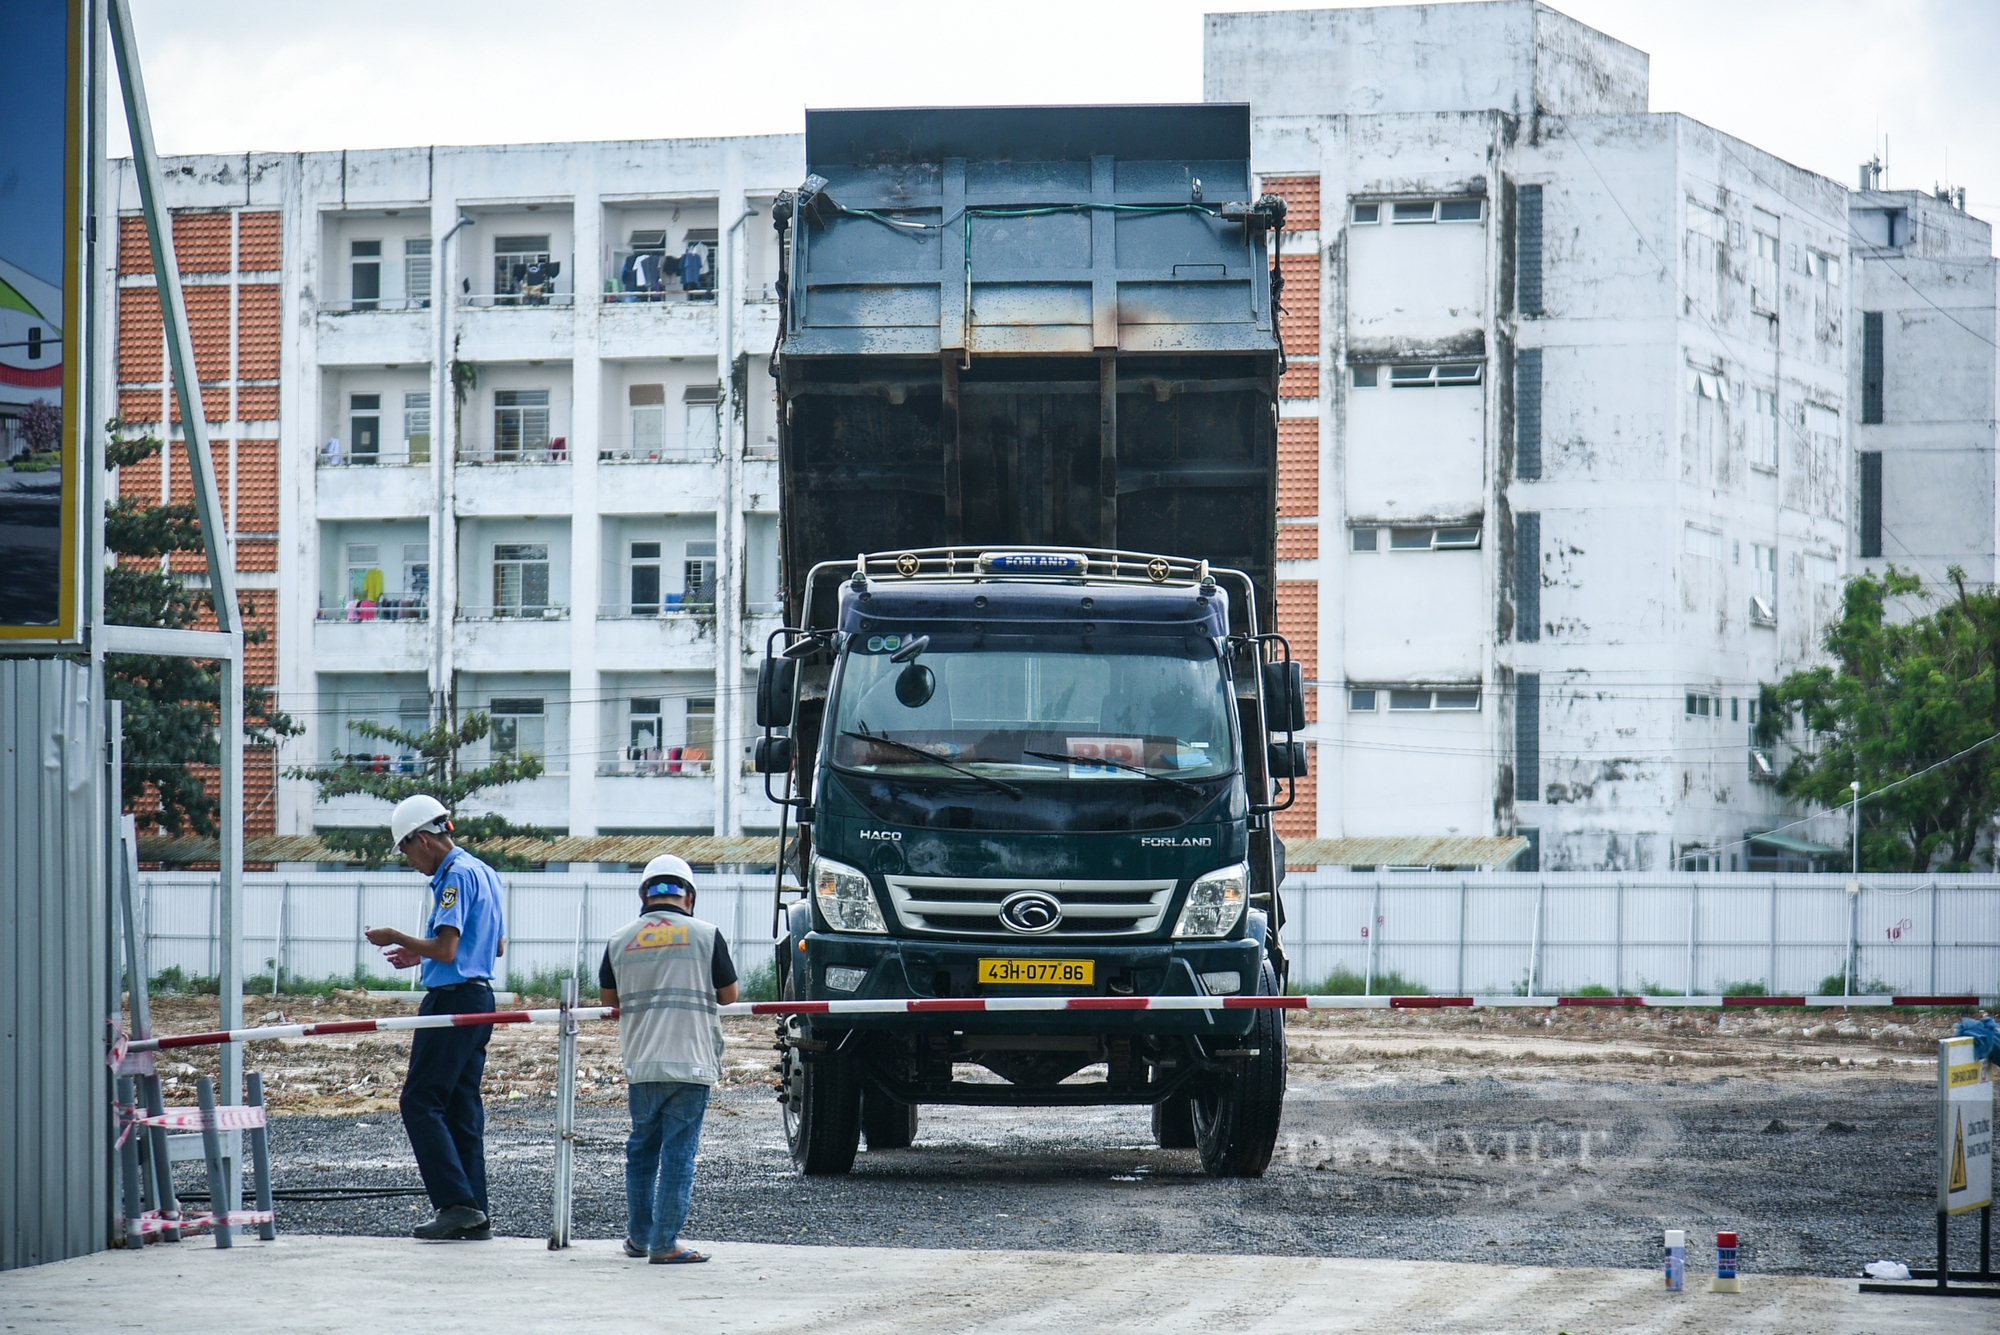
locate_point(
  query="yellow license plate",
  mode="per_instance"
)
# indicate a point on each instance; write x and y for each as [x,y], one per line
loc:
[1076,973]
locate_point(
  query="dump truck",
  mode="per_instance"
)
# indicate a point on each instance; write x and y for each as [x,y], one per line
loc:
[1029,720]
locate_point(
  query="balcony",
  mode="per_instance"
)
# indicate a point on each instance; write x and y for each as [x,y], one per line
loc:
[399,643]
[364,333]
[389,607]
[553,451]
[625,449]
[648,329]
[516,612]
[376,486]
[660,762]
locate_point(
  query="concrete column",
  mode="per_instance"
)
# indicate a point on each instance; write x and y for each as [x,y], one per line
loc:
[1334,548]
[299,439]
[729,595]
[586,529]
[447,261]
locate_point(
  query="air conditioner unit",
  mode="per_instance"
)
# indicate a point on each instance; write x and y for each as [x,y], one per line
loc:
[1762,768]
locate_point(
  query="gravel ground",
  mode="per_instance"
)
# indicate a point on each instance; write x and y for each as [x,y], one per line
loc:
[1516,1138]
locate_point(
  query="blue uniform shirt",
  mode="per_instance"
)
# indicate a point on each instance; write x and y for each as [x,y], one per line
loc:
[465,893]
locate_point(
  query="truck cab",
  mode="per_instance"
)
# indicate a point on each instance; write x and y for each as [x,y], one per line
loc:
[1027,755]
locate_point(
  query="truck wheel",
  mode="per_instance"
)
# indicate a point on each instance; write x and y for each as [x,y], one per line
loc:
[888,1124]
[1173,1123]
[1236,1118]
[822,1103]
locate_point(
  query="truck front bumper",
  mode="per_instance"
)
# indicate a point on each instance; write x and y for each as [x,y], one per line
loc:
[904,968]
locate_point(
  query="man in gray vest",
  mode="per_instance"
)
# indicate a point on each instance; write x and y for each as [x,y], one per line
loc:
[666,972]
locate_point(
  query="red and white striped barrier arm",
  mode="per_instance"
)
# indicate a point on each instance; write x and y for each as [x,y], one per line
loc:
[1002,1005]
[235,1117]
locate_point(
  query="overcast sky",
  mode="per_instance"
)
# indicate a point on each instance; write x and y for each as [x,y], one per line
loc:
[1818,82]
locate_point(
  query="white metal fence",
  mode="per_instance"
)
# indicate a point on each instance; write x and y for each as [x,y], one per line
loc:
[1480,934]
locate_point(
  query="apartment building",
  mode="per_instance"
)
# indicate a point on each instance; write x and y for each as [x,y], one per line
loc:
[550,496]
[1567,471]
[1924,370]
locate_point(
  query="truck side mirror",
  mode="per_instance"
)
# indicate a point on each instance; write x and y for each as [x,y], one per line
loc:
[773,755]
[1288,760]
[776,680]
[1285,697]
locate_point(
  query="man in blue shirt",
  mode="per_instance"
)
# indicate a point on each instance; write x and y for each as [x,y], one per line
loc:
[442,1111]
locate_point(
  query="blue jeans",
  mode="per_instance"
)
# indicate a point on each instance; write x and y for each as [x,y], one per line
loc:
[659,1159]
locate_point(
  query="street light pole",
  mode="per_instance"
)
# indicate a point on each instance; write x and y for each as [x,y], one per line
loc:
[1853,888]
[444,444]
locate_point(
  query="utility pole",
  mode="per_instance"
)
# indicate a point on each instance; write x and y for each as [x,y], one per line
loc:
[1853,888]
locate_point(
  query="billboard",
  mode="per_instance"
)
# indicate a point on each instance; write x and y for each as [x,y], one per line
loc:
[41,303]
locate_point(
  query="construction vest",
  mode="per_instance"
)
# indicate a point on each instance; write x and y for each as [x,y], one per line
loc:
[668,1025]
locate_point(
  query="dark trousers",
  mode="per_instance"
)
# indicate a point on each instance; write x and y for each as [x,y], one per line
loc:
[442,1112]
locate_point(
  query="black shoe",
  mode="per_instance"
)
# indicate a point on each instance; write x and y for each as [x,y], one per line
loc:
[450,1221]
[483,1233]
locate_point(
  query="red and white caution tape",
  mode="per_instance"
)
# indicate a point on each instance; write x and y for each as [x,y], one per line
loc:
[233,1117]
[1003,1005]
[154,1222]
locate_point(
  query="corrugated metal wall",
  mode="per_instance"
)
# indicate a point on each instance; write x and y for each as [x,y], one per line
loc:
[1452,934]
[55,1184]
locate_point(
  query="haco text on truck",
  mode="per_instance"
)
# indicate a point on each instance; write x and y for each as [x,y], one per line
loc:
[1029,713]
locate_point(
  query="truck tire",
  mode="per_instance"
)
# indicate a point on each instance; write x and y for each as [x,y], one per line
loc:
[1173,1123]
[1236,1117]
[888,1124]
[822,1103]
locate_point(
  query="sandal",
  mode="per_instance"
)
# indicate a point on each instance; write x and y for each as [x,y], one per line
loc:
[634,1250]
[685,1256]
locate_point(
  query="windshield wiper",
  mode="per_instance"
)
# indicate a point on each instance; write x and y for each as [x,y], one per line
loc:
[922,754]
[1139,770]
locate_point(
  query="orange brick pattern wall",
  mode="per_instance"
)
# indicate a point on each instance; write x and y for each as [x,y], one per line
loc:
[201,241]
[257,479]
[1298,466]
[135,251]
[1298,622]
[1300,380]
[1298,542]
[257,332]
[257,242]
[1298,324]
[1301,196]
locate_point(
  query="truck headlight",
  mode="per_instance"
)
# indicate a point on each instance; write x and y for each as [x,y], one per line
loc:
[1215,902]
[845,897]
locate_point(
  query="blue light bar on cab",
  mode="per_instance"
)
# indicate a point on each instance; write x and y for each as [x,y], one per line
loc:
[1034,563]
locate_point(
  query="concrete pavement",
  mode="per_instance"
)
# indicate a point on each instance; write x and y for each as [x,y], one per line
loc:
[301,1284]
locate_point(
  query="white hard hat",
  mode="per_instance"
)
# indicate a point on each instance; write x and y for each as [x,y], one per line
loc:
[667,867]
[422,812]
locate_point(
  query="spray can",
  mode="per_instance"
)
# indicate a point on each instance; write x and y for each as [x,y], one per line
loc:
[1677,1255]
[1725,1280]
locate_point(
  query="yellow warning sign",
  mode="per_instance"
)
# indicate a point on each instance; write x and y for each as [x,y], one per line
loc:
[1958,1155]
[1965,1127]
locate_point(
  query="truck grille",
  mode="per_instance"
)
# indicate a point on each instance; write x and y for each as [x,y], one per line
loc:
[955,906]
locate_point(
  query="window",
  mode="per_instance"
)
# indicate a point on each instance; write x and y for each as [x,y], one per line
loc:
[1871,366]
[1530,858]
[519,727]
[520,578]
[1428,539]
[1703,542]
[1528,737]
[366,425]
[1527,578]
[643,731]
[520,422]
[364,570]
[645,578]
[1708,385]
[1366,377]
[511,252]
[417,572]
[417,426]
[1528,414]
[698,573]
[417,272]
[1367,214]
[1365,539]
[1361,702]
[704,420]
[701,727]
[1423,377]
[648,406]
[1700,704]
[1764,275]
[1733,703]
[1764,430]
[1764,602]
[1871,503]
[365,264]
[1415,211]
[1825,268]
[1460,699]
[1528,249]
[413,713]
[1460,210]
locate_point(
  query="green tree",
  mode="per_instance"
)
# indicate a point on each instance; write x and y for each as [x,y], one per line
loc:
[1901,697]
[172,705]
[439,772]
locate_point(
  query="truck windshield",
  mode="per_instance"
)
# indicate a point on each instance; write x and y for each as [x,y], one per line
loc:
[1091,714]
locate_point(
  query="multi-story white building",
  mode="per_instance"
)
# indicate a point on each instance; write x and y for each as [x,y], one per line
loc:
[1575,380]
[575,453]
[1923,363]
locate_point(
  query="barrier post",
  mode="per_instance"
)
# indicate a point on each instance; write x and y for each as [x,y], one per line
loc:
[566,1028]
[166,1200]
[211,1145]
[128,1165]
[260,1159]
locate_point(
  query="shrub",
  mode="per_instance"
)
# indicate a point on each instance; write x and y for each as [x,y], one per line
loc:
[1343,982]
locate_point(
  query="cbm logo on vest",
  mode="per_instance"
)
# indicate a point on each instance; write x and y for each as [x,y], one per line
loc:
[659,936]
